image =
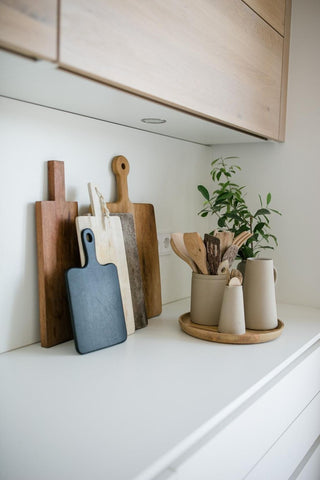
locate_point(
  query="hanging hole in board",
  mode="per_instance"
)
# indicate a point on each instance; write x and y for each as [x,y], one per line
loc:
[123,166]
[89,237]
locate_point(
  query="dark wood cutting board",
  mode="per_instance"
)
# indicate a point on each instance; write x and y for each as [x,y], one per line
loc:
[146,233]
[57,250]
[130,243]
[95,301]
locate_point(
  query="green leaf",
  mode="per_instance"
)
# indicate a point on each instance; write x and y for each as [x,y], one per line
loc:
[221,222]
[204,214]
[204,192]
[259,227]
[262,211]
[275,211]
[215,161]
[268,198]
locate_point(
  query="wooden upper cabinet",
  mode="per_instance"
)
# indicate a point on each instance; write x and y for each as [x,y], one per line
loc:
[272,11]
[215,59]
[30,27]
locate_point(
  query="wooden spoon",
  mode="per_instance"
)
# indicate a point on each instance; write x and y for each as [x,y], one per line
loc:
[196,250]
[226,239]
[231,254]
[236,274]
[179,249]
[240,239]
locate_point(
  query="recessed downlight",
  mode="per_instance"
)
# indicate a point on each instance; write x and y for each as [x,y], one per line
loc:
[154,121]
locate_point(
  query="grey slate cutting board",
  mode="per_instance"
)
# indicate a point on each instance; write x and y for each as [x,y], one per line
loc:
[95,301]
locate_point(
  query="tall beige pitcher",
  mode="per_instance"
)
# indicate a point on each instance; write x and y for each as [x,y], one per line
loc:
[259,294]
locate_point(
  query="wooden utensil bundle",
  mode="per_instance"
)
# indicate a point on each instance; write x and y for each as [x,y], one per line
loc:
[212,256]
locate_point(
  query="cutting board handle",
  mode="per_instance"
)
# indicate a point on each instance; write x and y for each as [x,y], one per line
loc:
[56,184]
[89,248]
[98,205]
[121,168]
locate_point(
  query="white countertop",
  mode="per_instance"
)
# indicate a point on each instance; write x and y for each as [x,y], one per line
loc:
[130,410]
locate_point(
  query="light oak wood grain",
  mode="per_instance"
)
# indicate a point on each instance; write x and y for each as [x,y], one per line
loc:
[211,334]
[218,60]
[146,234]
[110,248]
[196,250]
[272,11]
[284,76]
[30,27]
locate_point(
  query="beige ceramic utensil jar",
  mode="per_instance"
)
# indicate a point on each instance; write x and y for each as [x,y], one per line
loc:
[259,294]
[206,298]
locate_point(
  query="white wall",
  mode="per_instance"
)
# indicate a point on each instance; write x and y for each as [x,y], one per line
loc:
[291,171]
[164,172]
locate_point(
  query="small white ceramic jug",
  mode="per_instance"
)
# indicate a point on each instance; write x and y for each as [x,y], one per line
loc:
[259,294]
[232,313]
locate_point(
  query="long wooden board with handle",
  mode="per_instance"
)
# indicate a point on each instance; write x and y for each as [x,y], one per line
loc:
[146,233]
[110,248]
[57,251]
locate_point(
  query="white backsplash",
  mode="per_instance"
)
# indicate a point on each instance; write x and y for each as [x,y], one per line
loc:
[163,171]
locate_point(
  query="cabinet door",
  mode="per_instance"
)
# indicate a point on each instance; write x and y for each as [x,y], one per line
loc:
[29,27]
[272,11]
[215,59]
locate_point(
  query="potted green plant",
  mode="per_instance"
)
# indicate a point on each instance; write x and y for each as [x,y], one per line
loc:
[228,203]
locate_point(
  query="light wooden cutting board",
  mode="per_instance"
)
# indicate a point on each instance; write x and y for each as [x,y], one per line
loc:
[146,233]
[110,247]
[57,250]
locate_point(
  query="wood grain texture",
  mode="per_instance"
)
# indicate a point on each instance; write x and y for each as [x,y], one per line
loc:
[30,27]
[130,243]
[272,11]
[284,76]
[218,60]
[196,250]
[213,253]
[146,234]
[110,248]
[179,248]
[211,334]
[57,250]
[226,239]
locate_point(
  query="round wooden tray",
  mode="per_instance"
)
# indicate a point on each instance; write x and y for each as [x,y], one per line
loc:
[210,333]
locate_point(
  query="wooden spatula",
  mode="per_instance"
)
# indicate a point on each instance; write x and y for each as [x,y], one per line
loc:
[179,249]
[226,239]
[196,250]
[212,245]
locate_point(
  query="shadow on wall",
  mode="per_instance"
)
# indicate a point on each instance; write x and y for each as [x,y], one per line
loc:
[25,310]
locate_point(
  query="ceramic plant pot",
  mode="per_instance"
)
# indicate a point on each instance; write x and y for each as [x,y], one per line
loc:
[206,298]
[232,311]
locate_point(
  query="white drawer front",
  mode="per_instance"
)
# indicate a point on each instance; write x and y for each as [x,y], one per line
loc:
[311,470]
[286,454]
[234,450]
